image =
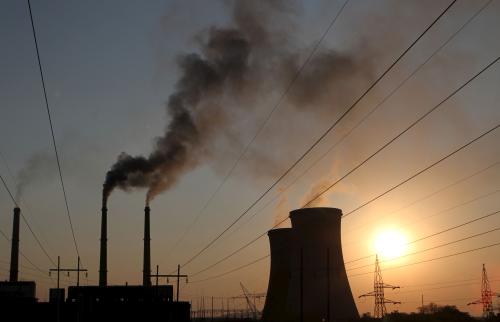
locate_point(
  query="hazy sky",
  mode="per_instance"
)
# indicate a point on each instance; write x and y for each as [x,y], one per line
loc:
[110,68]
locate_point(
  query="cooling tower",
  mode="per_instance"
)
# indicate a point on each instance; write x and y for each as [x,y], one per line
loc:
[14,251]
[103,262]
[308,281]
[277,290]
[318,288]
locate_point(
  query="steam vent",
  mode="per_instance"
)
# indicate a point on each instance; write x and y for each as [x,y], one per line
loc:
[308,281]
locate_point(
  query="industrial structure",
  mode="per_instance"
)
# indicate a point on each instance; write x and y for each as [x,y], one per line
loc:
[16,297]
[127,302]
[308,280]
[279,275]
[379,309]
[103,254]
[15,291]
[486,295]
[91,303]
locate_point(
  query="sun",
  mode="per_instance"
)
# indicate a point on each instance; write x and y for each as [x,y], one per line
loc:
[391,244]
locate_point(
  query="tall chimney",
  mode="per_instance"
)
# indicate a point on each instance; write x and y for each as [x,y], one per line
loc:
[146,271]
[14,252]
[103,264]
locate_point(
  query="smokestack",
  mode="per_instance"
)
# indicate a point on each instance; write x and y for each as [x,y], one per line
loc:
[103,264]
[279,276]
[146,271]
[14,252]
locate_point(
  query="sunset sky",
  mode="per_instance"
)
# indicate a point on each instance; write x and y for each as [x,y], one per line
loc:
[111,66]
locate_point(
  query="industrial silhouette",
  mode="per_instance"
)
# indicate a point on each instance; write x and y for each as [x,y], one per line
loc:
[90,303]
[308,280]
[15,291]
[486,295]
[379,310]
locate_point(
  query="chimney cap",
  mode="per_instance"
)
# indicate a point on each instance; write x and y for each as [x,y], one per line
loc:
[279,231]
[316,215]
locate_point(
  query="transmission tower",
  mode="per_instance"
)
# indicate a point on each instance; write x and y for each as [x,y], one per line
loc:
[378,292]
[486,295]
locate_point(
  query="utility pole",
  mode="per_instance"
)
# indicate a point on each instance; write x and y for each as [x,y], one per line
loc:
[486,295]
[378,293]
[178,276]
[68,270]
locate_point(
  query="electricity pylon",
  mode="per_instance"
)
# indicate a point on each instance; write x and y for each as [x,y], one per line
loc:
[486,295]
[379,310]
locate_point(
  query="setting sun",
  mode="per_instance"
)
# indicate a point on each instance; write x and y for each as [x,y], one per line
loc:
[390,244]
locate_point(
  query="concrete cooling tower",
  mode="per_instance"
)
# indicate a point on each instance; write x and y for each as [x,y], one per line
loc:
[317,288]
[277,290]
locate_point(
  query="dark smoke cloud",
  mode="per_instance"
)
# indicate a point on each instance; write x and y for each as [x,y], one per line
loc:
[223,63]
[222,82]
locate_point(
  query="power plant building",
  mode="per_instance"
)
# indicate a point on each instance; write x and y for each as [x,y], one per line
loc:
[13,290]
[308,280]
[127,302]
[104,302]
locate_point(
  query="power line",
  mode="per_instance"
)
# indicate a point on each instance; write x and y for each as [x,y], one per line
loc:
[488,194]
[364,257]
[52,129]
[223,259]
[366,203]
[447,282]
[413,124]
[233,270]
[434,193]
[447,187]
[433,259]
[431,248]
[27,273]
[360,274]
[423,170]
[434,234]
[34,268]
[436,214]
[455,227]
[373,110]
[378,151]
[442,300]
[266,120]
[319,139]
[444,287]
[8,191]
[25,221]
[4,235]
[22,203]
[440,283]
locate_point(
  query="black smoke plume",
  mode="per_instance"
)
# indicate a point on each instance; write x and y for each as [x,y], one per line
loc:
[219,81]
[225,61]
